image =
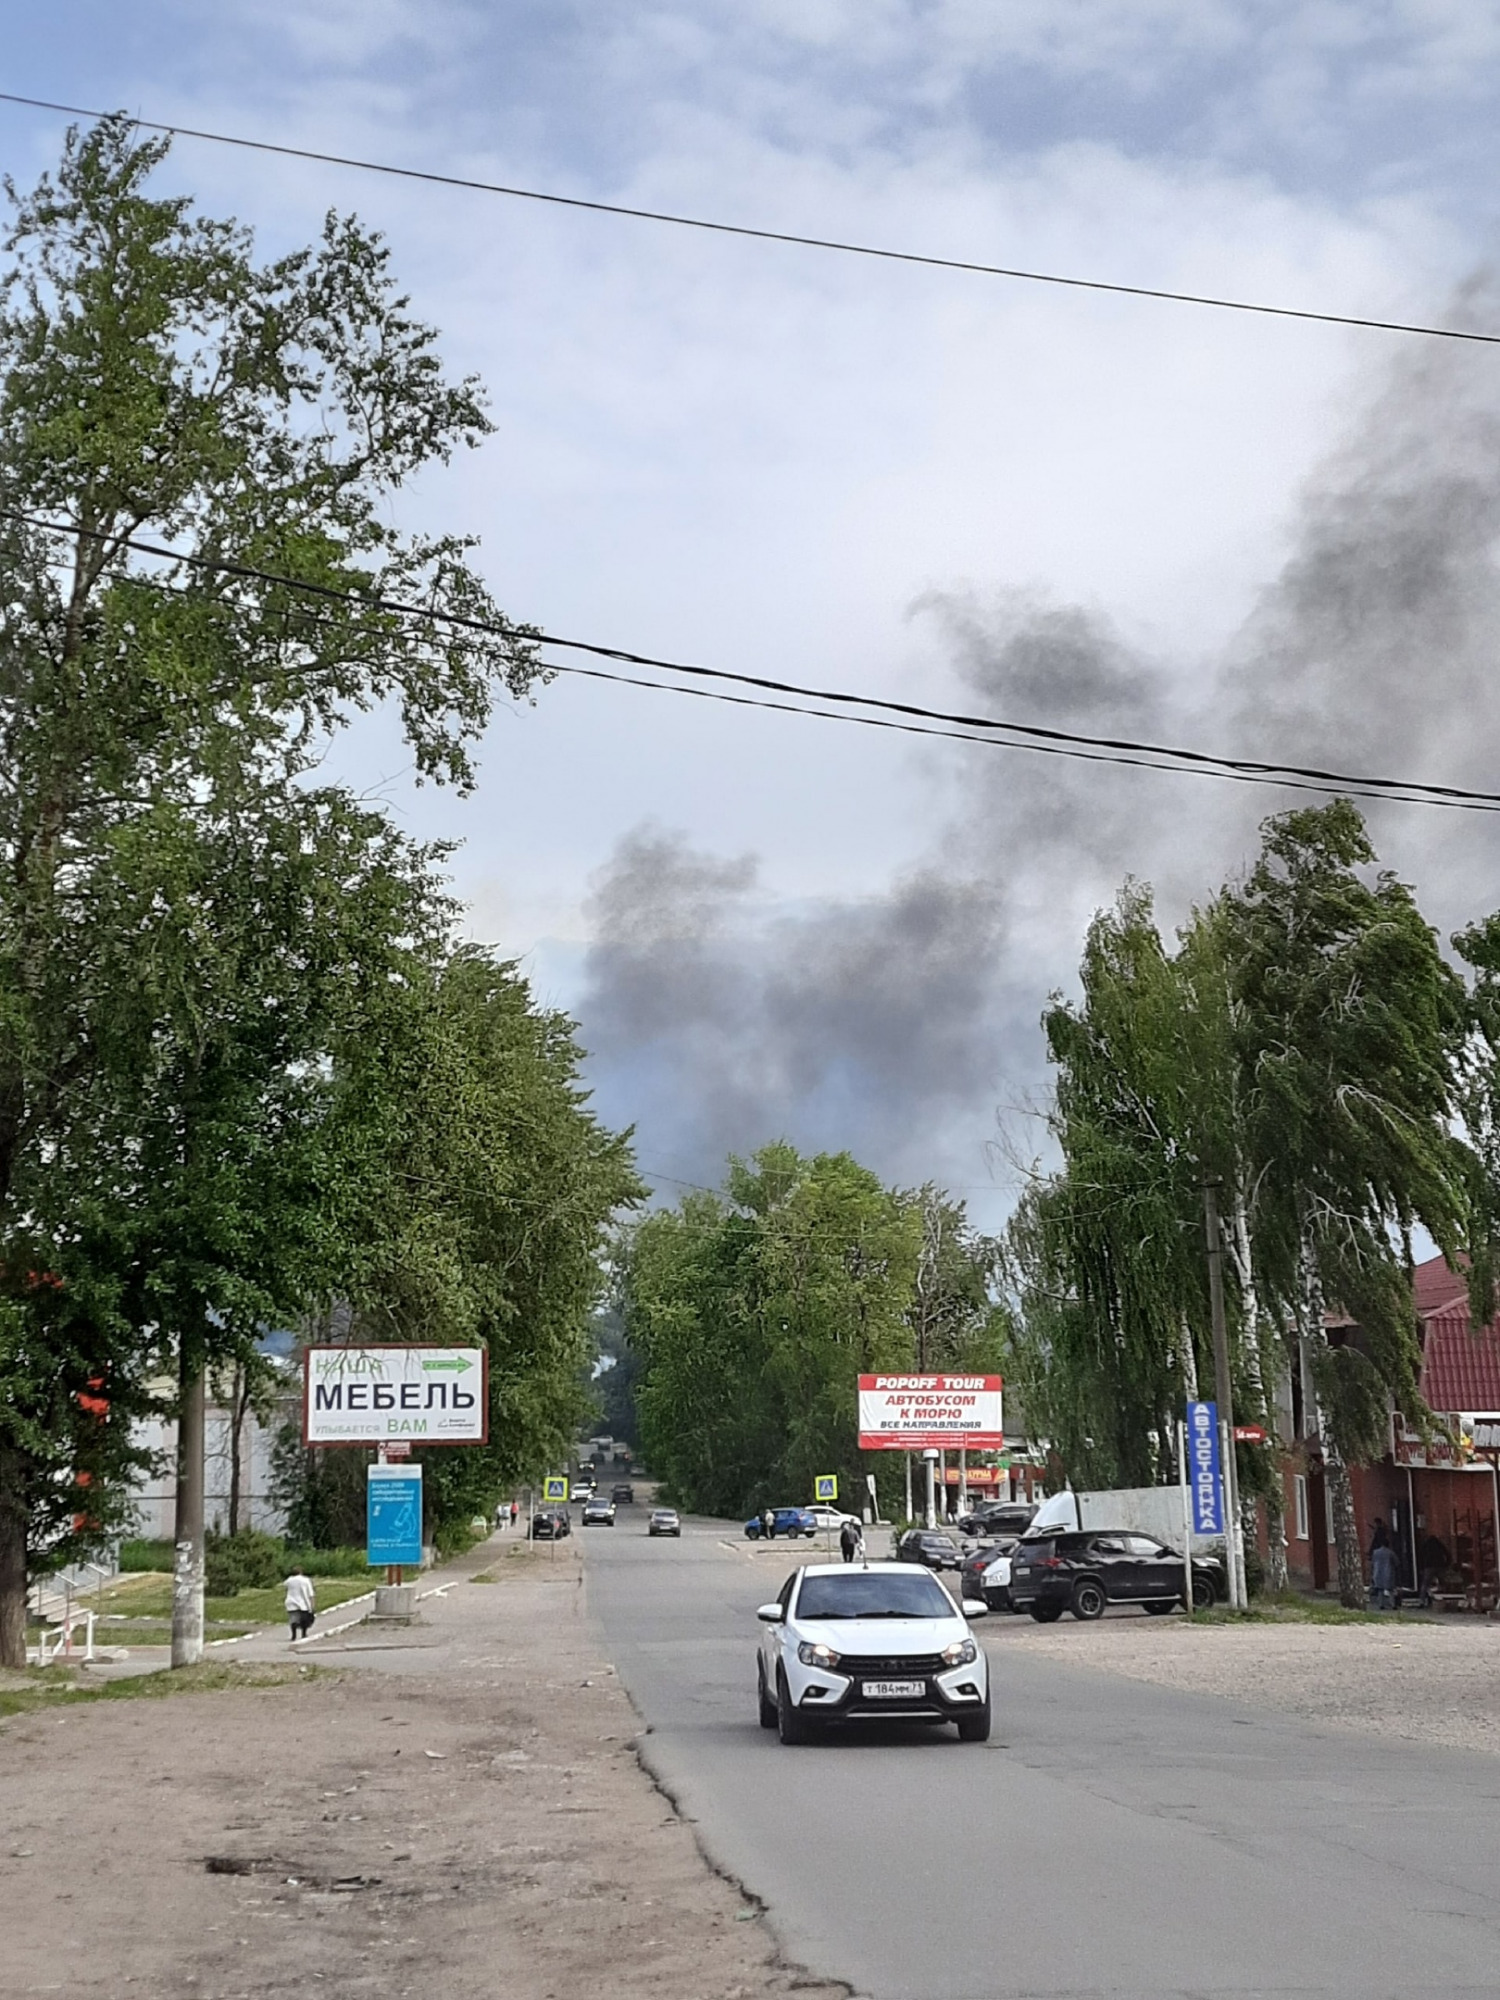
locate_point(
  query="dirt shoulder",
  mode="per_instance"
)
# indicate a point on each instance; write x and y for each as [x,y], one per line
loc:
[1424,1682]
[456,1808]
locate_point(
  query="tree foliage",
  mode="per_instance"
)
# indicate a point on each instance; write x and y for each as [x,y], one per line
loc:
[195,932]
[1306,1046]
[755,1310]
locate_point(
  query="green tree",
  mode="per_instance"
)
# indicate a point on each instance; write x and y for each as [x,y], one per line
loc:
[159,717]
[1349,1027]
[754,1312]
[491,1194]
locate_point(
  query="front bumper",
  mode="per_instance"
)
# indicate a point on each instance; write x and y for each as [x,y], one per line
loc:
[839,1696]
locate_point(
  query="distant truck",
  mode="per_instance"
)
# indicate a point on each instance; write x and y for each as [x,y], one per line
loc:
[1147,1510]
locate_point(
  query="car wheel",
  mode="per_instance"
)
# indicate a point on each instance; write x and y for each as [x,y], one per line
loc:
[764,1703]
[1161,1605]
[1088,1599]
[1047,1613]
[752,1534]
[1204,1595]
[791,1727]
[975,1728]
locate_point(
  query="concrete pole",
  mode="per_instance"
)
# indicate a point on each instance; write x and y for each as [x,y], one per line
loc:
[187,1531]
[907,1456]
[929,1460]
[1224,1391]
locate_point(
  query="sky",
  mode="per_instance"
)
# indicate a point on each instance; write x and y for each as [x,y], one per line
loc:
[1132,517]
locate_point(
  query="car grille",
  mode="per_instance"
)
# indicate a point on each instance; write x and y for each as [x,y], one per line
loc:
[897,1666]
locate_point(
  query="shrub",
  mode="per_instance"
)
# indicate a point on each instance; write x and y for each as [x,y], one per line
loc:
[246,1561]
[139,1555]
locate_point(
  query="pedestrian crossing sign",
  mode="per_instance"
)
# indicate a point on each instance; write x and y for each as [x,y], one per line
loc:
[827,1484]
[554,1489]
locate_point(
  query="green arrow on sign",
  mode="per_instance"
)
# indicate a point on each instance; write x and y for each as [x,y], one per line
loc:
[454,1365]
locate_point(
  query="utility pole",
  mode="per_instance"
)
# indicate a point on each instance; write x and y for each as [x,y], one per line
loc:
[187,1533]
[1224,1392]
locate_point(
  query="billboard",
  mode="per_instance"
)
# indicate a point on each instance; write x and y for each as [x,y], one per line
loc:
[910,1412]
[384,1395]
[393,1514]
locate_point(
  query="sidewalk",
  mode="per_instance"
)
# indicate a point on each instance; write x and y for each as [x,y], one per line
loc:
[454,1806]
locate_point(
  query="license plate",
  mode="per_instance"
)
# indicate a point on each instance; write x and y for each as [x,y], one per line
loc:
[892,1690]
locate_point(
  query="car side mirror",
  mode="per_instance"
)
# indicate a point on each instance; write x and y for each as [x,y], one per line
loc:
[770,1614]
[975,1607]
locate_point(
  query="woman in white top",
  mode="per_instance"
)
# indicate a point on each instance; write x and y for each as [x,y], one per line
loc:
[301,1602]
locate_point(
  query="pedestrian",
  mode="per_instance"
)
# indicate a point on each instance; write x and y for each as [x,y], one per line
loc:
[515,1509]
[1434,1557]
[301,1602]
[1383,1576]
[1380,1535]
[849,1540]
[768,1525]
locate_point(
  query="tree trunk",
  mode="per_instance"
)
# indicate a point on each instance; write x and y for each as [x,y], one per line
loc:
[1312,1334]
[1242,1256]
[187,1566]
[1189,1363]
[12,1559]
[239,1398]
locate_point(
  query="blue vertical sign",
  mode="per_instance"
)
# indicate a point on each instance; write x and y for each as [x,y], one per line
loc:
[393,1515]
[1203,1468]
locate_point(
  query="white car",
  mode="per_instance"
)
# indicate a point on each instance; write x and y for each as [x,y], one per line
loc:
[831,1519]
[882,1639]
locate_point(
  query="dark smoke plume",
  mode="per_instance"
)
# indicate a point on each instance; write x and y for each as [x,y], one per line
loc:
[893,1026]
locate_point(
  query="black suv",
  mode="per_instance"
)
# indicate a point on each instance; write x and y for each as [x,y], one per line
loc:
[928,1546]
[1082,1572]
[998,1517]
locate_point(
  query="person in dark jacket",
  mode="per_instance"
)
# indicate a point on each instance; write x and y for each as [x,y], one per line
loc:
[1434,1560]
[1383,1576]
[849,1540]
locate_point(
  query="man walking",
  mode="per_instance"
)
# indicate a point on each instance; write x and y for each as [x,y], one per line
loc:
[849,1540]
[1383,1576]
[301,1603]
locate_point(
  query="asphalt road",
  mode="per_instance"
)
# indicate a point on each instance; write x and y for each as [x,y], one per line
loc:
[1112,1839]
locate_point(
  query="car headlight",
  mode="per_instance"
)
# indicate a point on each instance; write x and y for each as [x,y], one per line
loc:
[959,1655]
[816,1656]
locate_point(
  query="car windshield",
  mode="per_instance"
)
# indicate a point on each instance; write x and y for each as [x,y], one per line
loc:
[873,1594]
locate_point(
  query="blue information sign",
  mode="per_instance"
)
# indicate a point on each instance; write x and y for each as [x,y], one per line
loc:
[393,1515]
[1203,1468]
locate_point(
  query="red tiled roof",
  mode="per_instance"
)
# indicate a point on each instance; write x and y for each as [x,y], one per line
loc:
[1460,1369]
[1437,1287]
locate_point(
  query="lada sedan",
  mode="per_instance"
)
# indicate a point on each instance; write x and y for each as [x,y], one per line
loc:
[843,1644]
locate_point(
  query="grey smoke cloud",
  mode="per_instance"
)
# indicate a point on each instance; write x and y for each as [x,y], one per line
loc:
[894,1025]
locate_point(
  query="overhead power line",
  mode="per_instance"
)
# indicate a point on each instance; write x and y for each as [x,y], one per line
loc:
[950,726]
[714,227]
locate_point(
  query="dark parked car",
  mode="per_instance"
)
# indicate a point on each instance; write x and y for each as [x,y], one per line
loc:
[1083,1572]
[550,1524]
[986,1572]
[623,1496]
[788,1521]
[930,1547]
[664,1521]
[998,1517]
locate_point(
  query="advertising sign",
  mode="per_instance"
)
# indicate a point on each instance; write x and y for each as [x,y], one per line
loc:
[377,1395]
[916,1412]
[393,1514]
[1203,1468]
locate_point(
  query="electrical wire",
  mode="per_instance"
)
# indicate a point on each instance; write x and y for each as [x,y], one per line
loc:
[760,235]
[1040,739]
[1037,739]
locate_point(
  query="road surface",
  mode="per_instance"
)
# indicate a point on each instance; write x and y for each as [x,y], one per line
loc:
[1112,1839]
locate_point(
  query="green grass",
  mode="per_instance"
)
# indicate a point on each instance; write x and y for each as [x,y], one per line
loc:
[57,1687]
[1291,1608]
[151,1597]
